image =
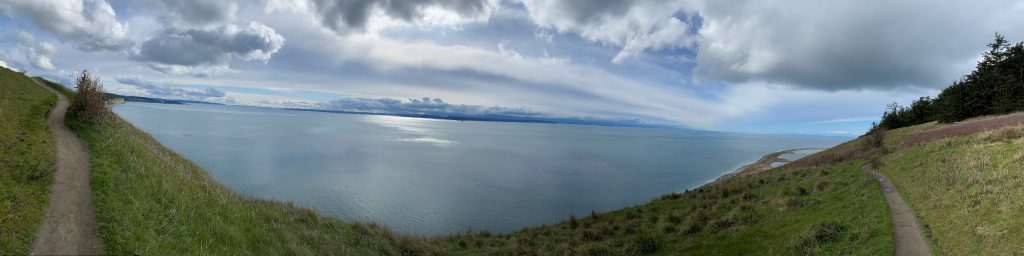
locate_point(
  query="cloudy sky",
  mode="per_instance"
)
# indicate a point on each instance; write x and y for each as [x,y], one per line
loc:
[805,66]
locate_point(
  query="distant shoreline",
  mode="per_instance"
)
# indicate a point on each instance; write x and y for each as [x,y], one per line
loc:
[761,165]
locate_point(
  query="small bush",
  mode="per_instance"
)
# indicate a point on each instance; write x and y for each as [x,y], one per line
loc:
[90,102]
[693,227]
[749,197]
[674,219]
[723,223]
[598,250]
[801,191]
[653,219]
[822,234]
[822,185]
[874,139]
[669,229]
[632,227]
[645,244]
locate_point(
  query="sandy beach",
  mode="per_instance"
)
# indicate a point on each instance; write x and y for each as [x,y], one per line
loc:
[761,165]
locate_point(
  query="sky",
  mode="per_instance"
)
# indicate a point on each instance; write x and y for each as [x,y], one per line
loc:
[787,67]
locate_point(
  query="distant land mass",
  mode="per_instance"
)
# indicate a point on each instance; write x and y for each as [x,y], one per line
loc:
[125,98]
[116,98]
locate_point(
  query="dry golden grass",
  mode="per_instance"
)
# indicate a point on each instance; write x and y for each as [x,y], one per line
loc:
[969,126]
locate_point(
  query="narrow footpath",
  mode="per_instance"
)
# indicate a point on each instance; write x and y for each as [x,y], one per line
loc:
[69,225]
[909,240]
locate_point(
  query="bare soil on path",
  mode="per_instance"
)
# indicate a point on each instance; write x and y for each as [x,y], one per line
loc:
[908,238]
[69,224]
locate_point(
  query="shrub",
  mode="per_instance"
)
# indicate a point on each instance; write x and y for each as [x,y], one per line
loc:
[90,102]
[822,234]
[674,219]
[645,244]
[822,185]
[875,138]
[669,229]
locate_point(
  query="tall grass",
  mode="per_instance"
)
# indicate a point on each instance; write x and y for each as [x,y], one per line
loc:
[27,160]
[967,188]
[965,127]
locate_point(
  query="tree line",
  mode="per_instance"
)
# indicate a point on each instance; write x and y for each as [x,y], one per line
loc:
[996,86]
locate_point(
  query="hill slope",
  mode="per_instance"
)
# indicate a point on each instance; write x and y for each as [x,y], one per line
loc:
[966,189]
[27,157]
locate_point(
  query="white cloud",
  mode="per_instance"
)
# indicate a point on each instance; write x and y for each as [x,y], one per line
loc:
[38,53]
[545,84]
[91,24]
[838,132]
[633,26]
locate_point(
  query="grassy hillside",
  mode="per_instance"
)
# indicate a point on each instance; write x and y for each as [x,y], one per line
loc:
[828,211]
[967,190]
[27,158]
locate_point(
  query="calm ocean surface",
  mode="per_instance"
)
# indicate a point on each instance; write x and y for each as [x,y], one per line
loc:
[426,176]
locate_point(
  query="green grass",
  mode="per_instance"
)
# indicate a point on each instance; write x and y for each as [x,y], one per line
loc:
[832,211]
[967,191]
[27,159]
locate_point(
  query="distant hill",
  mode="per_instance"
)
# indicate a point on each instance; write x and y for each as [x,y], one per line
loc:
[126,98]
[500,118]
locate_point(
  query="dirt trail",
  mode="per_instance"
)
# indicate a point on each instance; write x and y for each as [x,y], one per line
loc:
[908,233]
[69,225]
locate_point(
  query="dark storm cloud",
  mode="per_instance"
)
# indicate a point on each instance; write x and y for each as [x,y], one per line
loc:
[199,12]
[842,45]
[211,47]
[346,15]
